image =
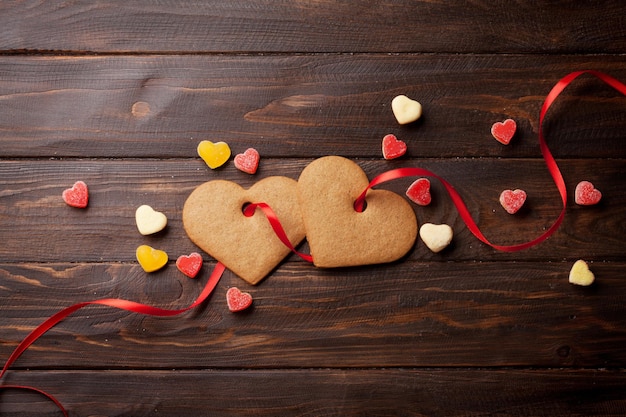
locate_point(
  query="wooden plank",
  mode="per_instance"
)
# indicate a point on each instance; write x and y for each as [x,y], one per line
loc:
[42,228]
[433,314]
[320,392]
[321,26]
[302,106]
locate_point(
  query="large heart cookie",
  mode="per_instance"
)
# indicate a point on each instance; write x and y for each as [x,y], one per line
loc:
[248,246]
[338,235]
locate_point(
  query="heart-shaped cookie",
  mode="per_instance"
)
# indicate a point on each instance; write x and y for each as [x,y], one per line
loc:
[149,221]
[248,246]
[504,131]
[586,194]
[580,274]
[405,110]
[338,235]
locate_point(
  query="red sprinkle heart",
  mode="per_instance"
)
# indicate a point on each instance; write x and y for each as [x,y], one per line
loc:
[393,147]
[504,131]
[189,264]
[586,194]
[248,161]
[77,196]
[419,192]
[237,300]
[512,201]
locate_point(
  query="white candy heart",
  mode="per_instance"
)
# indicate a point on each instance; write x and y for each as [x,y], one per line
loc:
[149,221]
[436,236]
[405,109]
[580,274]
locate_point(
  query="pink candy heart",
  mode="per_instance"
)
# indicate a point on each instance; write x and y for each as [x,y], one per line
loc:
[248,161]
[189,264]
[393,147]
[512,201]
[586,194]
[77,196]
[237,300]
[419,192]
[503,131]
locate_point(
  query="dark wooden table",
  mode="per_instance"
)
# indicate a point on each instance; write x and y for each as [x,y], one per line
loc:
[119,94]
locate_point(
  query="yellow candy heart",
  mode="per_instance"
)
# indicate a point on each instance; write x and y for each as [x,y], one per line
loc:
[214,154]
[580,274]
[151,259]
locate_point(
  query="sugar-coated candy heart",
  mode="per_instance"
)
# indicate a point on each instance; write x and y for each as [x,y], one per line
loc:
[214,154]
[189,264]
[512,200]
[151,259]
[580,274]
[406,110]
[586,194]
[436,236]
[237,300]
[419,192]
[393,147]
[248,161]
[149,221]
[77,196]
[503,132]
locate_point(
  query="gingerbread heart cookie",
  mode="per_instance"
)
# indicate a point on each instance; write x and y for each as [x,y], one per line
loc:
[248,246]
[340,236]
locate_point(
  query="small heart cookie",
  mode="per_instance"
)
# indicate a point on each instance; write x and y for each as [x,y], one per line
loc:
[338,235]
[586,194]
[248,246]
[580,274]
[189,264]
[419,192]
[151,259]
[436,236]
[512,200]
[393,147]
[214,154]
[248,161]
[77,196]
[503,132]
[406,110]
[149,221]
[237,300]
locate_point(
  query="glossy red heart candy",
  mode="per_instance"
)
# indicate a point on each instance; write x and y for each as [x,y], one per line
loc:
[237,300]
[393,147]
[189,264]
[512,201]
[419,192]
[503,131]
[586,194]
[77,196]
[248,161]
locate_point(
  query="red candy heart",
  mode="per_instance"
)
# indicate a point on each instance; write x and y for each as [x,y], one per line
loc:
[586,194]
[77,196]
[248,161]
[512,201]
[189,264]
[393,147]
[503,131]
[419,192]
[237,300]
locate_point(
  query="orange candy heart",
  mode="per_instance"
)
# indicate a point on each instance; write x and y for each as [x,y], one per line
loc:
[151,259]
[214,154]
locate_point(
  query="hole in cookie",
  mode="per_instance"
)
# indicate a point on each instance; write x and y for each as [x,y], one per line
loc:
[360,206]
[248,209]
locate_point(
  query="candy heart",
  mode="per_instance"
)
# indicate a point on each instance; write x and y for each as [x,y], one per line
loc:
[436,236]
[512,201]
[503,131]
[189,264]
[338,235]
[248,161]
[214,154]
[586,194]
[419,192]
[248,246]
[151,259]
[405,109]
[393,147]
[237,300]
[77,196]
[149,221]
[580,274]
